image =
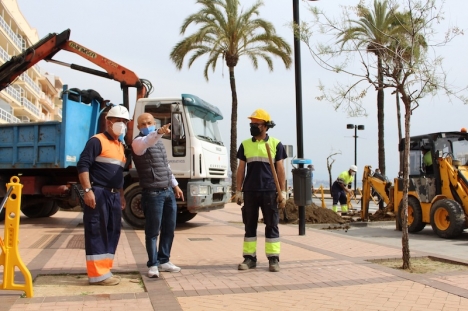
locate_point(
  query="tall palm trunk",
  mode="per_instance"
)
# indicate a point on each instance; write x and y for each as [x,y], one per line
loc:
[233,152]
[380,116]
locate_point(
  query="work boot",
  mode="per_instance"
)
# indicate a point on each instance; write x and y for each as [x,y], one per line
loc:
[247,264]
[108,282]
[274,264]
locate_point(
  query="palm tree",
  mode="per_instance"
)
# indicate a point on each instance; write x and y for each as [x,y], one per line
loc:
[228,32]
[373,30]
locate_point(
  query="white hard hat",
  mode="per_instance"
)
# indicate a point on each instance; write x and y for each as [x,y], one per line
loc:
[118,111]
[353,168]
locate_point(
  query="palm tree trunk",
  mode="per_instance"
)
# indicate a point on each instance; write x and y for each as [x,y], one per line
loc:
[380,117]
[233,152]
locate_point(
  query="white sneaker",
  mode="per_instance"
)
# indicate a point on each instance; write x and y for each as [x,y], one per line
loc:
[153,272]
[168,267]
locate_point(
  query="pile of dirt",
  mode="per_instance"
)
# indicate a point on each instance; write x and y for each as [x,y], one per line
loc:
[381,215]
[313,214]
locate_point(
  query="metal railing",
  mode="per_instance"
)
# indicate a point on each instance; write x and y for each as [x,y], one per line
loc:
[31,83]
[30,106]
[4,55]
[14,37]
[47,99]
[8,117]
[13,93]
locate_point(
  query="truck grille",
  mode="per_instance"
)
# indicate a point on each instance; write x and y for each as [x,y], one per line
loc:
[217,171]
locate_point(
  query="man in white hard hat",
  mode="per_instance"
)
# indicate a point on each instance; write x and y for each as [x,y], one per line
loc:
[341,187]
[100,171]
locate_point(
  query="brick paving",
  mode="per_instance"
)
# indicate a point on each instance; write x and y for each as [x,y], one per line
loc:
[319,271]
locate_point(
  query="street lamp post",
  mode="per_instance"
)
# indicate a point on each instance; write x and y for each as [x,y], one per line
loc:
[297,70]
[356,128]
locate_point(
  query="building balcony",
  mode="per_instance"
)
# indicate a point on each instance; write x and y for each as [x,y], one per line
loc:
[13,95]
[16,39]
[28,109]
[6,117]
[58,114]
[46,101]
[30,82]
[4,55]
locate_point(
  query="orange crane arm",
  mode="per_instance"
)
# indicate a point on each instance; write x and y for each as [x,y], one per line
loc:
[47,47]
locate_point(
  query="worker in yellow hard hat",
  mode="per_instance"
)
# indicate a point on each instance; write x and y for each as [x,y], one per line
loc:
[257,188]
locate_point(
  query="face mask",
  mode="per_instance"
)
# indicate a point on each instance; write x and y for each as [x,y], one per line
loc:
[122,138]
[146,130]
[254,130]
[353,173]
[119,128]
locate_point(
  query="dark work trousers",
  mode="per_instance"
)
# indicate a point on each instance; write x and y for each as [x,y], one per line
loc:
[266,200]
[338,194]
[102,226]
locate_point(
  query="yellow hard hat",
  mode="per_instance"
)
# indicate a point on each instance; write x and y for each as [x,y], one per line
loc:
[463,130]
[261,115]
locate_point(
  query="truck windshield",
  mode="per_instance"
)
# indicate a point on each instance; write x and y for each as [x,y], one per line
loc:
[460,150]
[204,125]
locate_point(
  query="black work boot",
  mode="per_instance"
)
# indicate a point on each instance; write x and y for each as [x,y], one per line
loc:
[274,264]
[247,264]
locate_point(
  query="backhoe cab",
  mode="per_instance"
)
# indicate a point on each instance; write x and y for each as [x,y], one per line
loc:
[437,193]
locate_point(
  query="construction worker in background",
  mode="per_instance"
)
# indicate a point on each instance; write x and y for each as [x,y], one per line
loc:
[100,170]
[427,159]
[341,187]
[257,189]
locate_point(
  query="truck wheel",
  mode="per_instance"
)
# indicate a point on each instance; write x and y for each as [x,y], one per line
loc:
[185,216]
[133,214]
[55,208]
[415,223]
[40,208]
[447,219]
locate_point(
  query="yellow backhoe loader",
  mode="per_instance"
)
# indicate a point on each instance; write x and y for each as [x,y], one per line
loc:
[438,185]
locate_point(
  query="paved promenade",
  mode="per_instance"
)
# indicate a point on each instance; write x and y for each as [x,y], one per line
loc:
[323,270]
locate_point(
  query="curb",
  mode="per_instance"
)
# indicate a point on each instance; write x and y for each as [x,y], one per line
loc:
[350,224]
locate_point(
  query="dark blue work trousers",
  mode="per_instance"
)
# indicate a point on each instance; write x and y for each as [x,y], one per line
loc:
[338,194]
[102,226]
[266,200]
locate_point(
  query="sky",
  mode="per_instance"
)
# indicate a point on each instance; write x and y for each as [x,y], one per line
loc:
[140,35]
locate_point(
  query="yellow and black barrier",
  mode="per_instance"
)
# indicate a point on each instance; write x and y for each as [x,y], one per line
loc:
[9,257]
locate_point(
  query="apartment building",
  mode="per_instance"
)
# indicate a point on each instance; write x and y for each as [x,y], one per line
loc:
[35,95]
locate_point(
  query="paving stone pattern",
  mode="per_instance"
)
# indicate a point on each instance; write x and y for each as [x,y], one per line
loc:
[319,271]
